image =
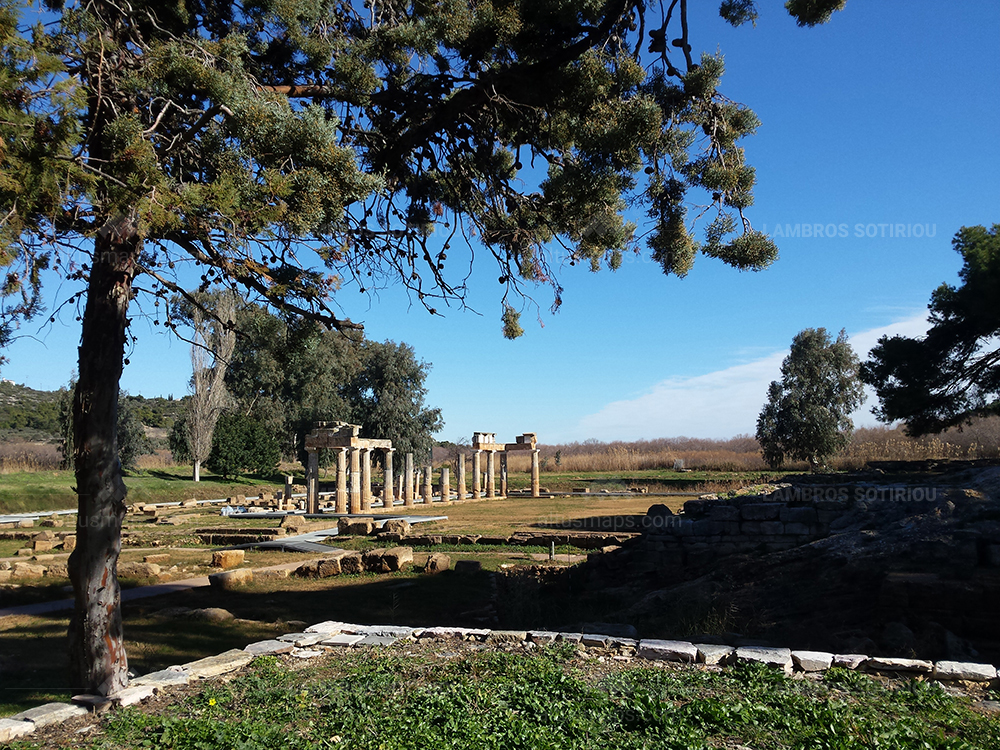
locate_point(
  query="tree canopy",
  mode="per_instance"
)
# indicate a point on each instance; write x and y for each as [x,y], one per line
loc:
[286,146]
[807,416]
[953,373]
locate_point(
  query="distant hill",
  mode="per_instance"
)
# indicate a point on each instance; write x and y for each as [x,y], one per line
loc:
[30,415]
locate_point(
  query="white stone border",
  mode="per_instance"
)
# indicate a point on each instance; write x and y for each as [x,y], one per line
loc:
[325,636]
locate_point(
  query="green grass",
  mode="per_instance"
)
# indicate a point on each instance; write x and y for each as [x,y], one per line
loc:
[386,700]
[53,490]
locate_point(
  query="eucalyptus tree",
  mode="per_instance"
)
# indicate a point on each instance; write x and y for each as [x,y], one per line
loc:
[286,147]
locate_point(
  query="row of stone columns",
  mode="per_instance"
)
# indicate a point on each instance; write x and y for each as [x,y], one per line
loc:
[355,496]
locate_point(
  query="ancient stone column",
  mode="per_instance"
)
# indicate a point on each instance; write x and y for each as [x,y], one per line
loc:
[286,496]
[312,482]
[536,485]
[477,473]
[341,506]
[503,473]
[355,496]
[491,474]
[387,495]
[446,485]
[366,480]
[408,482]
[428,485]
[461,477]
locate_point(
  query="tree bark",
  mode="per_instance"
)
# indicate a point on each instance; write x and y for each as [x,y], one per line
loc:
[197,470]
[98,664]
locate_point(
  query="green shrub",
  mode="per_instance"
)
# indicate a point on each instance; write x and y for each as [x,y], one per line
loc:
[242,445]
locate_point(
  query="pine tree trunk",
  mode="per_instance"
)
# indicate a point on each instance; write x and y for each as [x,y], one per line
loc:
[98,664]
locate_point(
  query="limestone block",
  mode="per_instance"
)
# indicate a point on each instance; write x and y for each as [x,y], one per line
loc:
[396,526]
[849,661]
[138,570]
[797,529]
[306,653]
[189,503]
[594,640]
[436,562]
[507,636]
[352,563]
[308,569]
[397,558]
[569,637]
[377,640]
[542,637]
[163,678]
[750,528]
[303,640]
[806,516]
[268,647]
[658,650]
[710,653]
[211,614]
[330,627]
[50,713]
[57,570]
[228,558]
[724,513]
[770,528]
[4,576]
[955,670]
[231,579]
[329,567]
[342,640]
[134,694]
[774,657]
[69,542]
[25,523]
[25,552]
[157,559]
[355,526]
[372,560]
[888,664]
[27,570]
[761,511]
[211,666]
[812,661]
[295,524]
[11,729]
[43,536]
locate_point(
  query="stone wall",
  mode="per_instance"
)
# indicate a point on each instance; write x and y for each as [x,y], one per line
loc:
[712,528]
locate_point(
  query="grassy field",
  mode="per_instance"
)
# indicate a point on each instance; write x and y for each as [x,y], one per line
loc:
[53,490]
[413,697]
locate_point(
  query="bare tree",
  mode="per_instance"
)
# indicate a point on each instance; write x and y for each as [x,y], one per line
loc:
[211,350]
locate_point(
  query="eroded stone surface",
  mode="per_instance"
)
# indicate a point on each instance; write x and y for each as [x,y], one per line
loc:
[957,670]
[328,626]
[812,661]
[50,713]
[710,653]
[849,661]
[774,657]
[231,579]
[262,648]
[542,636]
[219,664]
[163,678]
[658,650]
[11,729]
[135,694]
[889,664]
[342,640]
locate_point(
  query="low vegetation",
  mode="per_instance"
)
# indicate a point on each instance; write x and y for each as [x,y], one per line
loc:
[406,698]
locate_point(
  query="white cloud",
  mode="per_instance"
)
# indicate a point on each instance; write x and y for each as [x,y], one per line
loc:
[717,404]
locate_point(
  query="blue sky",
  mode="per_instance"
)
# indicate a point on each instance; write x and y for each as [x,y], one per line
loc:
[887,116]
